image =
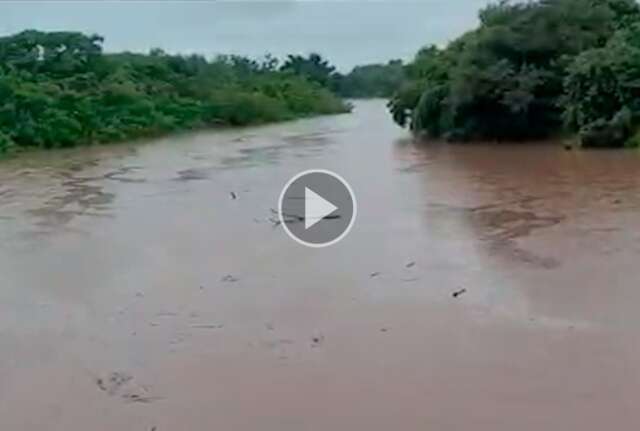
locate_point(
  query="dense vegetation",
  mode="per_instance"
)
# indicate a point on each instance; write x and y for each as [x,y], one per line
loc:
[371,80]
[60,89]
[367,81]
[531,69]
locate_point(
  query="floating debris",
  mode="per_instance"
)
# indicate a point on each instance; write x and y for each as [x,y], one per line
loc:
[458,292]
[229,279]
[295,218]
[410,264]
[274,221]
[138,398]
[113,382]
[123,385]
[317,340]
[374,274]
[233,195]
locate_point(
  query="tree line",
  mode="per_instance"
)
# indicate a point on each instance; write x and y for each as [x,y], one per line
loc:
[376,80]
[371,80]
[59,89]
[531,70]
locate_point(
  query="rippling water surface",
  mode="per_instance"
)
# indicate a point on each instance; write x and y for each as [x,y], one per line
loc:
[135,293]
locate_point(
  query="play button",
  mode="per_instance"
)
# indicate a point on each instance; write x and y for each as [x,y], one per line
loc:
[317,208]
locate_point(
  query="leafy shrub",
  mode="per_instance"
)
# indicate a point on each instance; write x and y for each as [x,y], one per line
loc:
[58,90]
[6,144]
[531,69]
[633,141]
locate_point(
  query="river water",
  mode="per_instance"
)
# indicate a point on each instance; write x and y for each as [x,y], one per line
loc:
[135,293]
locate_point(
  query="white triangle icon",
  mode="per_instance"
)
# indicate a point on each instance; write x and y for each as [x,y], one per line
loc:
[315,208]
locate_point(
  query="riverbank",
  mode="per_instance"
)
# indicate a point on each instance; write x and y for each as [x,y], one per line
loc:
[23,154]
[59,89]
[508,80]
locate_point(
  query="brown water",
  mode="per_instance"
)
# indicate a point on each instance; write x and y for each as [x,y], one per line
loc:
[117,260]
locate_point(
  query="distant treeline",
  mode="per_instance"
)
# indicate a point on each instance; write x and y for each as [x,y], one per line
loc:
[366,81]
[60,89]
[531,70]
[371,80]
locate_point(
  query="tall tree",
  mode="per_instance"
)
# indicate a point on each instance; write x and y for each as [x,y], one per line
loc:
[506,79]
[313,67]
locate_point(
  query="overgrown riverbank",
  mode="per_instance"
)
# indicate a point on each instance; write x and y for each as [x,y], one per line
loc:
[61,90]
[532,70]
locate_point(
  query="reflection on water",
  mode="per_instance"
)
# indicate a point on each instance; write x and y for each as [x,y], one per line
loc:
[498,226]
[297,145]
[80,195]
[193,174]
[536,207]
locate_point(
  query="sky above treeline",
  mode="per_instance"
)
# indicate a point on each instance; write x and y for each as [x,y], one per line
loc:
[348,33]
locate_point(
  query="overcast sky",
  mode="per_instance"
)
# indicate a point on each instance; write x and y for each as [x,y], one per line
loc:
[347,32]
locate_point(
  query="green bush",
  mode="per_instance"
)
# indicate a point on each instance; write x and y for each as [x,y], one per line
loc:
[59,89]
[531,69]
[6,144]
[634,140]
[602,133]
[371,80]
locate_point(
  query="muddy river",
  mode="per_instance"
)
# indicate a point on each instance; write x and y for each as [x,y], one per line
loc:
[135,294]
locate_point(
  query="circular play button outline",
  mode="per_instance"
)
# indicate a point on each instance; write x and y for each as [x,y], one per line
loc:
[347,187]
